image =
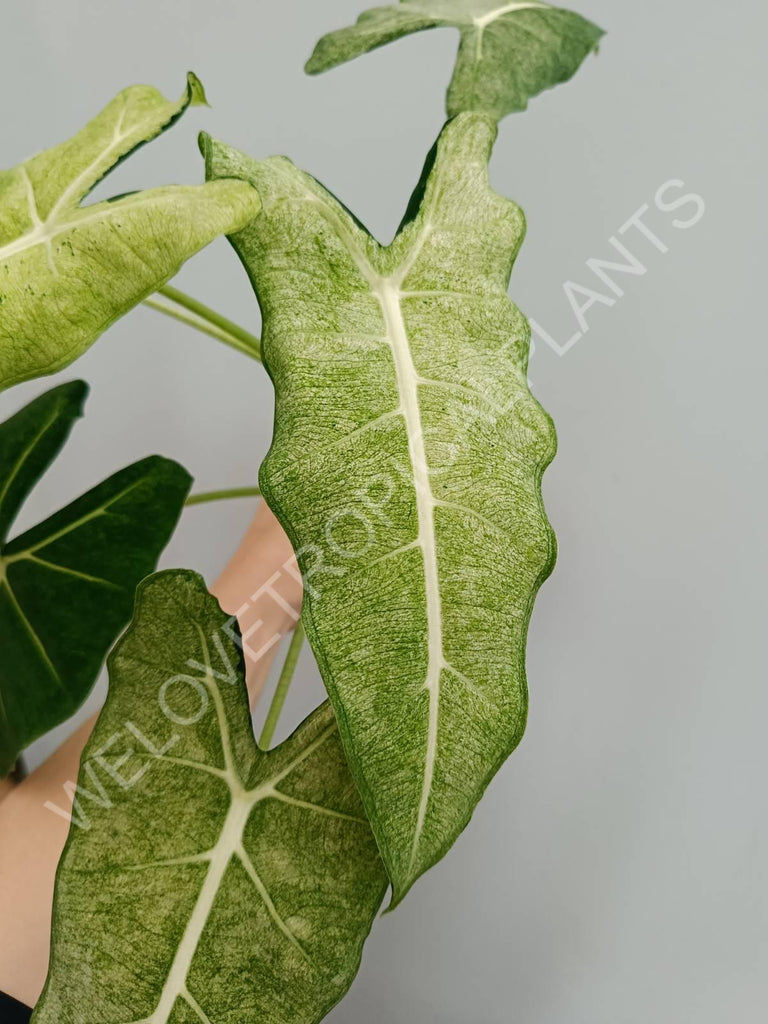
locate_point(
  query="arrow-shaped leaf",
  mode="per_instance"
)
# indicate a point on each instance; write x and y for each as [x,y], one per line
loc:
[67,585]
[69,271]
[508,53]
[406,468]
[214,882]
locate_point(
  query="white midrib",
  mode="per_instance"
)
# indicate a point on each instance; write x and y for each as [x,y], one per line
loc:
[229,845]
[388,294]
[487,19]
[84,180]
[219,860]
[491,16]
[43,232]
[46,232]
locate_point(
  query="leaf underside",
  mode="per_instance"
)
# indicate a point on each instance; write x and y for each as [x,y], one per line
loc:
[66,271]
[508,53]
[67,585]
[406,467]
[225,884]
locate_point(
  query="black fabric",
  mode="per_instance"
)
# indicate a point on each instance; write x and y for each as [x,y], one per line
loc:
[12,1011]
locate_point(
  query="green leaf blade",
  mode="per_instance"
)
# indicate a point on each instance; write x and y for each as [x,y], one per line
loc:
[250,894]
[374,28]
[64,175]
[406,468]
[31,440]
[508,53]
[512,59]
[67,584]
[67,272]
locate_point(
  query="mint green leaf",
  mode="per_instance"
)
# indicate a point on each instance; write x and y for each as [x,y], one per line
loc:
[406,467]
[508,53]
[67,585]
[69,271]
[209,881]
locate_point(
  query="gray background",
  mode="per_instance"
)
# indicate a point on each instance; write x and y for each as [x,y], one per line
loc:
[616,872]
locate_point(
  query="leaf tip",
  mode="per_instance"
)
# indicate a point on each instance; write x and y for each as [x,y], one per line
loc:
[324,56]
[76,392]
[600,34]
[395,901]
[401,886]
[195,92]
[315,64]
[72,395]
[172,471]
[205,145]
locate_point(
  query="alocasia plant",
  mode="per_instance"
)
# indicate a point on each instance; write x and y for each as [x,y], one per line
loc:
[66,271]
[66,585]
[215,881]
[212,880]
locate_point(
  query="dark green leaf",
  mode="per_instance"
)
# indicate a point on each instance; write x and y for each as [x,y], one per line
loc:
[67,585]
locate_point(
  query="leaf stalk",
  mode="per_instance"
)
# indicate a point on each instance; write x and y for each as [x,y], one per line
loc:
[180,306]
[282,688]
[234,492]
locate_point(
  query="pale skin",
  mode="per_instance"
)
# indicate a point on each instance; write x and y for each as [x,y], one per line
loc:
[33,837]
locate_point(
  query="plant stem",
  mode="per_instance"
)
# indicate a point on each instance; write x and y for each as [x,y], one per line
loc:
[235,492]
[283,685]
[189,311]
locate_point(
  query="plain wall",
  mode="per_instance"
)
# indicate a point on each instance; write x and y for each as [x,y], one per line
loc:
[616,872]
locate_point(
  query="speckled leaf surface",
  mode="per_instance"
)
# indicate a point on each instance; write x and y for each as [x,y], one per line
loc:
[406,467]
[216,882]
[69,271]
[508,53]
[67,585]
